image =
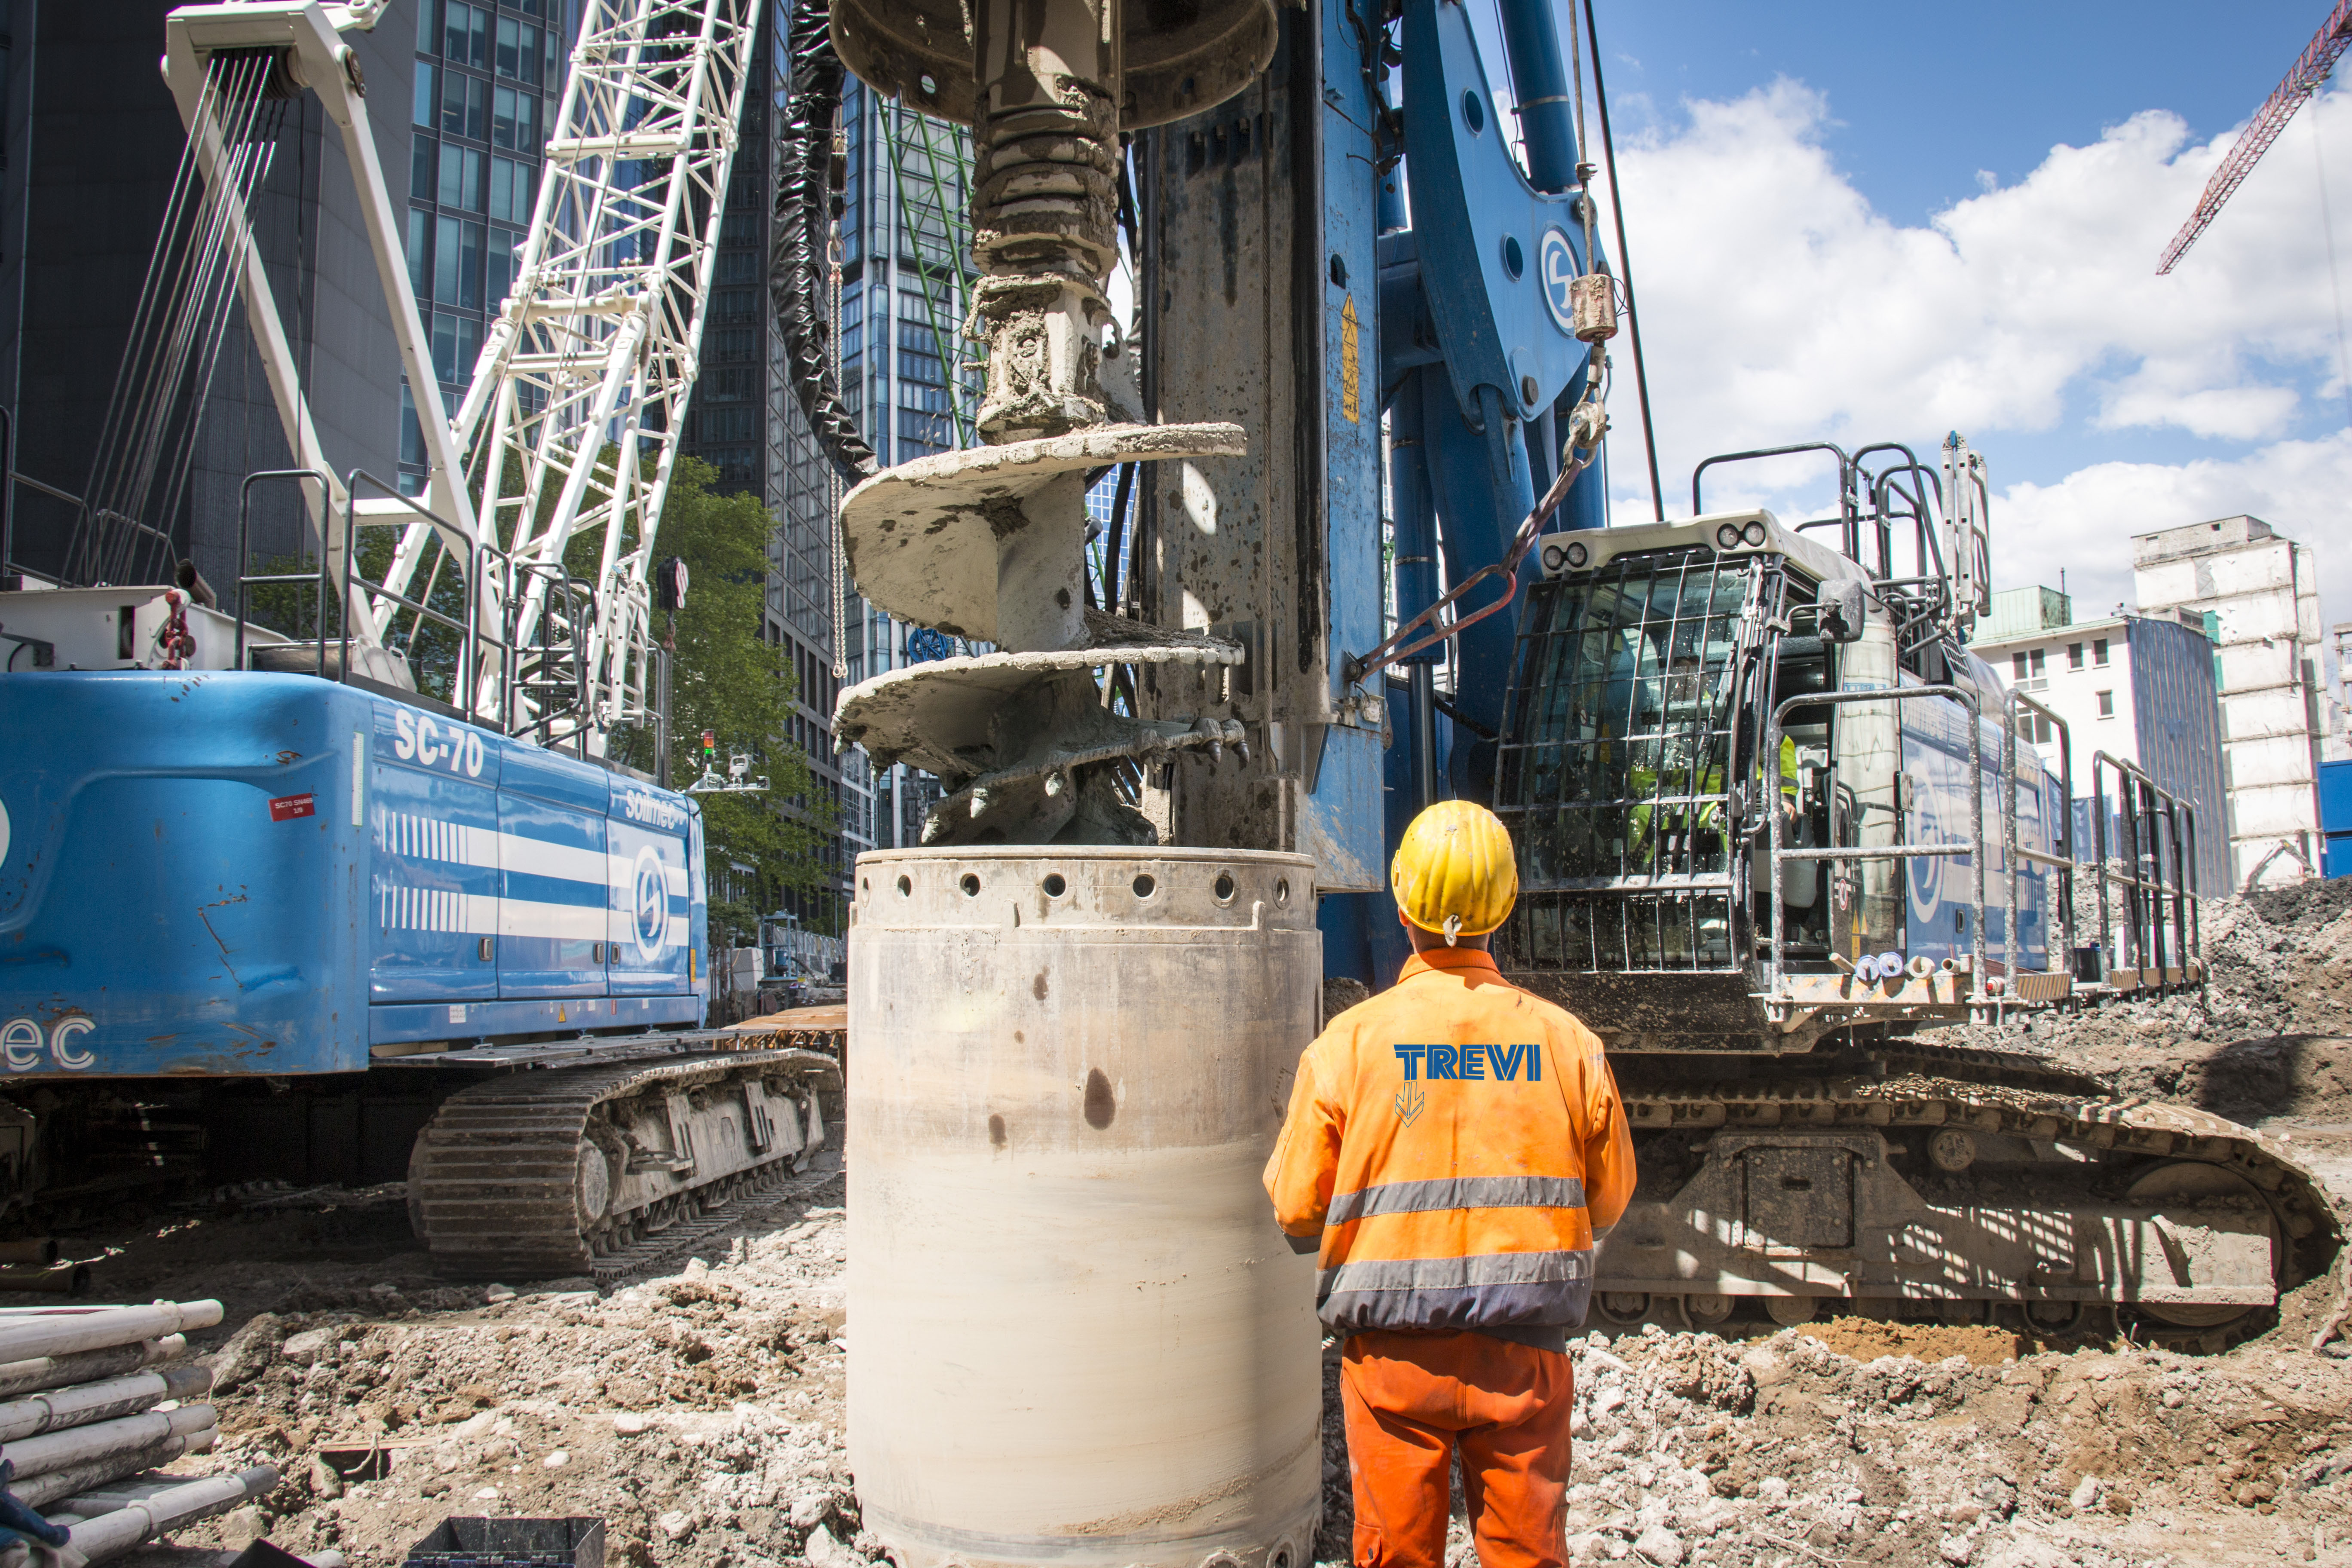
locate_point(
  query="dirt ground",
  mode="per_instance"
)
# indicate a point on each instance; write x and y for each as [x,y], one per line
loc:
[699,1410]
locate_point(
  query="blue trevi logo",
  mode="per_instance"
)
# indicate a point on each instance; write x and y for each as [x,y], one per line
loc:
[1473,1062]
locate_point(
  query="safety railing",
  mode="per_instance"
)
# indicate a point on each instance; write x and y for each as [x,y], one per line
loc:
[322,582]
[1780,855]
[2156,825]
[2059,859]
[467,688]
[550,675]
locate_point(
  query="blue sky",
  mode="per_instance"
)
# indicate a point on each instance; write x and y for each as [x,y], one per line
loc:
[2020,79]
[1860,222]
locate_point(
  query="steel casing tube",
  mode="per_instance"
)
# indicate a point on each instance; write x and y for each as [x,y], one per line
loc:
[1077,1335]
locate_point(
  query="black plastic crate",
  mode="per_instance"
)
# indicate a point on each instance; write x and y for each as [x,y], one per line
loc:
[472,1543]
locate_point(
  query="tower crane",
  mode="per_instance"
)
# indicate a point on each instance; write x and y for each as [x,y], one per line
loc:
[2309,73]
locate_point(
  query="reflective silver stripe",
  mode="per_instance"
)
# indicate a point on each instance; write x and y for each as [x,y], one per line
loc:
[1457,1273]
[1458,1193]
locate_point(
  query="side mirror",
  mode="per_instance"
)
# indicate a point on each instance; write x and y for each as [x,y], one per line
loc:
[1840,609]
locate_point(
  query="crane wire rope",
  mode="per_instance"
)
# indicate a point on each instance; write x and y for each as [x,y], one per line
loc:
[148,431]
[2335,276]
[1625,264]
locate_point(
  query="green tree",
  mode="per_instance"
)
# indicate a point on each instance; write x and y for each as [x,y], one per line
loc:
[729,680]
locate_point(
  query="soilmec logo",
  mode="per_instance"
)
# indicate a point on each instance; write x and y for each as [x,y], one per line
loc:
[651,904]
[23,1042]
[652,809]
[1556,264]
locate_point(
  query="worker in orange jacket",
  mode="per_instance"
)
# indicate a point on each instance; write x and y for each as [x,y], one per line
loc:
[1455,1149]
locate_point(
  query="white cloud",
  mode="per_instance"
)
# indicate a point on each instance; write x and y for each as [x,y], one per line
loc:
[1780,306]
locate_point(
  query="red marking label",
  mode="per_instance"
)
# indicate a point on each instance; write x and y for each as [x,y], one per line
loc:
[286,808]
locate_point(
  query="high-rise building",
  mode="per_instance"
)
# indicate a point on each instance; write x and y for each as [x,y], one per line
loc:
[488,78]
[91,143]
[2258,594]
[905,286]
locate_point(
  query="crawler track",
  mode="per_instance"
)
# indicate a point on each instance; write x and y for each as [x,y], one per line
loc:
[531,1176]
[1998,1094]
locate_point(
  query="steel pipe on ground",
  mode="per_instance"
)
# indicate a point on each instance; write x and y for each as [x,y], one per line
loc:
[55,1450]
[88,1367]
[119,1531]
[85,1402]
[65,1279]
[26,1335]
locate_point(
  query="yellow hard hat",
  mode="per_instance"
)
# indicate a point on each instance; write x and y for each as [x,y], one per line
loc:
[1453,873]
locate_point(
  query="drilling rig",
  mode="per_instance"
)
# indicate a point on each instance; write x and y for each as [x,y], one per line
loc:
[1773,819]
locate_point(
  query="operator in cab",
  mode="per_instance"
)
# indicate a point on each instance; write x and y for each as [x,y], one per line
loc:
[1454,1151]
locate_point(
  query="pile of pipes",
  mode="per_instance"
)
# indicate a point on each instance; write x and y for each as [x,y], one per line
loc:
[80,1391]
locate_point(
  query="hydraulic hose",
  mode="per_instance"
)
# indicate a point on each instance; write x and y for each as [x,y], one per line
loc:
[804,219]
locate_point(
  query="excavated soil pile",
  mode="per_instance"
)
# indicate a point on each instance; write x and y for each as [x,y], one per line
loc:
[1694,1450]
[2266,1036]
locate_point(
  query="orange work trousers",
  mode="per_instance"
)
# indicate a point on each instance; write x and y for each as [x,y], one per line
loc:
[1410,1398]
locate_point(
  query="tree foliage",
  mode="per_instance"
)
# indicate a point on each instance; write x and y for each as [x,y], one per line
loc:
[727,680]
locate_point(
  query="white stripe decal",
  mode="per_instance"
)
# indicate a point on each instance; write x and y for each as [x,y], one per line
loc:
[563,922]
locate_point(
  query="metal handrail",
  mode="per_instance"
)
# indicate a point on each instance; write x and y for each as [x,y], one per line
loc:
[1849,518]
[1975,846]
[2146,925]
[2015,706]
[468,629]
[322,581]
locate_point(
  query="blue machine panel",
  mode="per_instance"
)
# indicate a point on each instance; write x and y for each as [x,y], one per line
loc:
[1939,893]
[247,873]
[433,820]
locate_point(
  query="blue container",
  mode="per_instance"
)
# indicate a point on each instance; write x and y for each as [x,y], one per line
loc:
[240,874]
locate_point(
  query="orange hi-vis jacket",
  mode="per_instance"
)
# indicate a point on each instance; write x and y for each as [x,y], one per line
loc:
[1457,1147]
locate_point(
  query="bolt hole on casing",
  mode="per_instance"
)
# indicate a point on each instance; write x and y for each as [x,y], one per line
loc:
[1225,887]
[971,885]
[1515,262]
[906,886]
[1053,884]
[1144,886]
[1473,113]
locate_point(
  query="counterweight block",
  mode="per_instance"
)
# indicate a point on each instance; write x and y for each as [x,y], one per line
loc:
[1079,1337]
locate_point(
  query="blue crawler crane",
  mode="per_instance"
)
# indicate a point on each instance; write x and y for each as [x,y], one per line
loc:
[375,902]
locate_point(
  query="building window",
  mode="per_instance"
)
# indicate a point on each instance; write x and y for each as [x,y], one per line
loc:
[514,120]
[464,105]
[466,34]
[733,305]
[2106,704]
[457,343]
[504,255]
[723,425]
[2099,651]
[426,96]
[457,264]
[510,190]
[2074,656]
[420,248]
[422,159]
[2017,667]
[2042,729]
[518,51]
[461,178]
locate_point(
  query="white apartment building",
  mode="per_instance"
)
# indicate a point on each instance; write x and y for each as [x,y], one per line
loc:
[2259,596]
[2137,688]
